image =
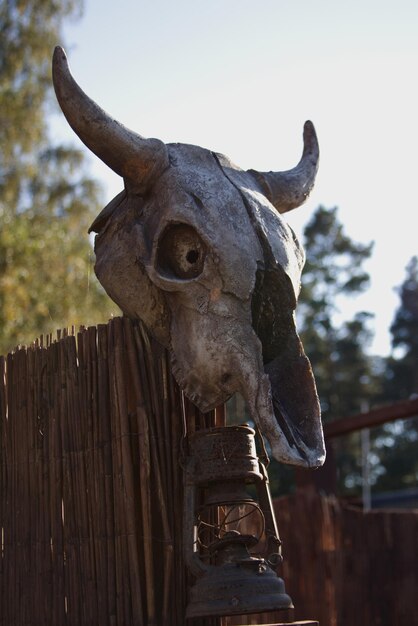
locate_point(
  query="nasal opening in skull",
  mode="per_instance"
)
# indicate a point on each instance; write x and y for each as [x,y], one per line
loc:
[272,312]
[292,387]
[181,252]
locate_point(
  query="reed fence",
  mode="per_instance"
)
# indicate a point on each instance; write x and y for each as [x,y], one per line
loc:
[91,432]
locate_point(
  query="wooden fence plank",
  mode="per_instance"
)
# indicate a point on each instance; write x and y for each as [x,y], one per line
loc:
[375,417]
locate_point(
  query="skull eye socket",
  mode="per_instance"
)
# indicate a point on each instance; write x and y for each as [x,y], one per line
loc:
[181,252]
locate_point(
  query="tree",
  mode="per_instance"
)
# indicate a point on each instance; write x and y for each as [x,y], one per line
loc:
[334,269]
[346,375]
[46,202]
[397,442]
[402,369]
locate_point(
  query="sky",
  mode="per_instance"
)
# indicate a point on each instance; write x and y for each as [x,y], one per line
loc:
[241,77]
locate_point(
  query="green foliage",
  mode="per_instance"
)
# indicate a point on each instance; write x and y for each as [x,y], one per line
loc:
[397,443]
[402,370]
[46,201]
[333,264]
[396,446]
[334,268]
[29,29]
[345,374]
[349,379]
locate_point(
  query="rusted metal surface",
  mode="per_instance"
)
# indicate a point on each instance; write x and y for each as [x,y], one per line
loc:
[237,591]
[230,538]
[225,453]
[232,621]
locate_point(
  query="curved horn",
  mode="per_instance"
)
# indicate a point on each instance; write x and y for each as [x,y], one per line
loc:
[288,190]
[128,154]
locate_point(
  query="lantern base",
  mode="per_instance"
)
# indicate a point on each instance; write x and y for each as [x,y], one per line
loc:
[233,589]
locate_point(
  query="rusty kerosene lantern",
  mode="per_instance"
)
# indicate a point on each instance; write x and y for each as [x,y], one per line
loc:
[230,535]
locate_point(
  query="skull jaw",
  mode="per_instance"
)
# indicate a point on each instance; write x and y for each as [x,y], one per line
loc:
[224,356]
[290,418]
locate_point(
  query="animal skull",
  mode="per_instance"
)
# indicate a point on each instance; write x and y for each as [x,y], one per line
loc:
[196,248]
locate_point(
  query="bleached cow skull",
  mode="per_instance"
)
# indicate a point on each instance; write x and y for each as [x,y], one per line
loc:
[197,249]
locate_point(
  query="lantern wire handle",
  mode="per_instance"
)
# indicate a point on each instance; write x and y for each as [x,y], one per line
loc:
[264,457]
[183,441]
[253,508]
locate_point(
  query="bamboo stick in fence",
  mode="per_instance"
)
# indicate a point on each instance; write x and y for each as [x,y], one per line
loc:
[119,563]
[128,482]
[2,474]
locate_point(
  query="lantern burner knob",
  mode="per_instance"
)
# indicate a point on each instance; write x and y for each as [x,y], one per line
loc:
[233,537]
[234,548]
